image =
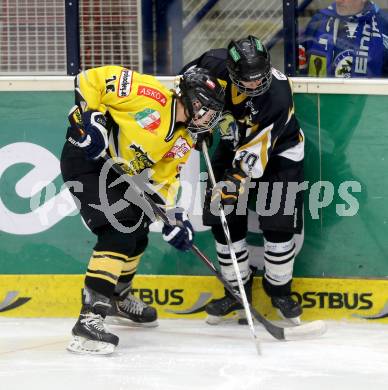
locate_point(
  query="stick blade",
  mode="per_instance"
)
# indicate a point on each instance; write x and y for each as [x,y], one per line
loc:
[308,330]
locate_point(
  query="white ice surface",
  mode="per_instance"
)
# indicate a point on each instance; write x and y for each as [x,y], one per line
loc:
[186,354]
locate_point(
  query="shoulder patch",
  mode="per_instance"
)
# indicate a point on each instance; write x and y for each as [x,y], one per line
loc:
[125,83]
[152,93]
[148,119]
[180,148]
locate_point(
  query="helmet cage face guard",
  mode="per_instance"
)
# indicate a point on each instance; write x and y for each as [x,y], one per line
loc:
[265,84]
[214,117]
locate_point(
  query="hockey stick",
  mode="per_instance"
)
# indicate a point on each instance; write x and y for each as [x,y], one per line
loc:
[311,329]
[228,239]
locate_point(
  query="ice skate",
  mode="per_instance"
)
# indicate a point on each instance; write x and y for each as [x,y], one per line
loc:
[219,309]
[287,308]
[128,310]
[89,333]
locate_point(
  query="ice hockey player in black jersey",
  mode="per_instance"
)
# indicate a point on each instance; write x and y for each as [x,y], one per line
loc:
[261,144]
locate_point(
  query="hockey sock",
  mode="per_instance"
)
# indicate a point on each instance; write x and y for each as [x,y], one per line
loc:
[224,258]
[279,263]
[104,270]
[127,273]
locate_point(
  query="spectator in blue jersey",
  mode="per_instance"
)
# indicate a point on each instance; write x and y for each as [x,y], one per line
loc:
[347,39]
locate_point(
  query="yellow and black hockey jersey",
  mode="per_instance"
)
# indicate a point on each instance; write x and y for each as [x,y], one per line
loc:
[141,123]
[267,123]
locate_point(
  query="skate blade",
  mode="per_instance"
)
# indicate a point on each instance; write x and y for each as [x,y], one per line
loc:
[114,320]
[295,321]
[236,316]
[85,346]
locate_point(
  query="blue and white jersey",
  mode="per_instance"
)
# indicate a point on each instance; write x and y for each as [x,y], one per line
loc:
[345,46]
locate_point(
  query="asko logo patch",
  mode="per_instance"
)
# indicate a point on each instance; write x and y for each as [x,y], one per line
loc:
[125,83]
[152,93]
[180,148]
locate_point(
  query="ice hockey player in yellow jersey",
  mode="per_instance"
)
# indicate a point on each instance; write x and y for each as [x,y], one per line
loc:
[150,131]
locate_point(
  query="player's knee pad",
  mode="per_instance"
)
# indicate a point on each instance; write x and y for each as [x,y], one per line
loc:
[279,255]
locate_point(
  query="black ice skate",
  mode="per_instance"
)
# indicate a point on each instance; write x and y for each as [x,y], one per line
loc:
[127,310]
[218,309]
[288,309]
[89,333]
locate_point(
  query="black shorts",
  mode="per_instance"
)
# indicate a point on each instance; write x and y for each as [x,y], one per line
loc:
[75,167]
[285,214]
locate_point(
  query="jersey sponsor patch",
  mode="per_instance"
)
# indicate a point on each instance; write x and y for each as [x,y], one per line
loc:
[152,93]
[125,83]
[180,148]
[140,162]
[148,119]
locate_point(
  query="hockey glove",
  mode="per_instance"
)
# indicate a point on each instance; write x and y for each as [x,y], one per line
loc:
[95,140]
[203,137]
[180,233]
[229,130]
[231,186]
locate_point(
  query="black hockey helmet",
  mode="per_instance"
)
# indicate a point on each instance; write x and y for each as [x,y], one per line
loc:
[249,60]
[200,93]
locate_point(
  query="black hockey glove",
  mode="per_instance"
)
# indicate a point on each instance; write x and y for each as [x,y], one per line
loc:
[203,137]
[180,232]
[94,137]
[231,186]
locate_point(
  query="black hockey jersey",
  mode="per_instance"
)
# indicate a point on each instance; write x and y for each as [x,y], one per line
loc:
[267,123]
